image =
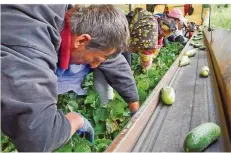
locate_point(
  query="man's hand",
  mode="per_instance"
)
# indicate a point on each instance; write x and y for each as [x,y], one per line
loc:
[133,106]
[80,125]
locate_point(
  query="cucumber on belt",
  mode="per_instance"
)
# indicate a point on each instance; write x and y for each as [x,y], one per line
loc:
[201,137]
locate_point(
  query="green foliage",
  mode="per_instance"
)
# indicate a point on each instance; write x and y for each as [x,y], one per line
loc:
[6,144]
[100,114]
[110,119]
[101,144]
[221,16]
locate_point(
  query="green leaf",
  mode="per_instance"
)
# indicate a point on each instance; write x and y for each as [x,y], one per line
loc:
[89,112]
[142,94]
[102,144]
[143,84]
[82,111]
[124,123]
[10,147]
[115,134]
[65,148]
[117,106]
[100,128]
[90,99]
[111,126]
[152,72]
[101,114]
[119,98]
[72,106]
[82,147]
[80,144]
[4,138]
[88,81]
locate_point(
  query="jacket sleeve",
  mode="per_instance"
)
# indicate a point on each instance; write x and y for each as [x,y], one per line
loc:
[118,74]
[29,114]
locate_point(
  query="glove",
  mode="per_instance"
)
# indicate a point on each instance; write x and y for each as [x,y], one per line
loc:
[86,129]
[132,113]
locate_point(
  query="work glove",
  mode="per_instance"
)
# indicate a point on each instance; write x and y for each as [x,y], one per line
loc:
[132,113]
[86,129]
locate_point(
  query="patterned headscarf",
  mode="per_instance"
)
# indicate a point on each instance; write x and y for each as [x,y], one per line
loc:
[144,31]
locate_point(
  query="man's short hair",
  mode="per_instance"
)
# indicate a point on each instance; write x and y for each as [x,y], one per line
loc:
[106,24]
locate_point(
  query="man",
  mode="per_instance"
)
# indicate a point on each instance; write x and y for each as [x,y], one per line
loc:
[30,47]
[109,72]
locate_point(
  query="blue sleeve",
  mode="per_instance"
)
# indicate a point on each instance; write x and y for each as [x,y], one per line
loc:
[72,78]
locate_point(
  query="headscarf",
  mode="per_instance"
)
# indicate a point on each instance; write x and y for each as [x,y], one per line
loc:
[144,31]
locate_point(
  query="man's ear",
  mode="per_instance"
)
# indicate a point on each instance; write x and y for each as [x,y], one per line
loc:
[81,40]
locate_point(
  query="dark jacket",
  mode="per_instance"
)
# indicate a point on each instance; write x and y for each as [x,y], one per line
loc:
[30,41]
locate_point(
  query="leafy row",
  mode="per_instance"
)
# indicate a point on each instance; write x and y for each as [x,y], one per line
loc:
[108,120]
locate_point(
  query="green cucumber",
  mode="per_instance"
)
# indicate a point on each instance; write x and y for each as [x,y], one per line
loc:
[184,61]
[195,38]
[202,47]
[197,45]
[201,137]
[168,95]
[204,71]
[192,43]
[190,53]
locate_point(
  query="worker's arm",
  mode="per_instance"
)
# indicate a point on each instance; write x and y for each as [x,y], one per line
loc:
[118,74]
[29,115]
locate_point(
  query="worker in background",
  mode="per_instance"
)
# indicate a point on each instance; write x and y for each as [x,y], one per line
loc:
[166,27]
[31,78]
[147,34]
[177,16]
[191,27]
[144,36]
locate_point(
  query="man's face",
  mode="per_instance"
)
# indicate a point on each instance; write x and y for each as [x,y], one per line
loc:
[80,54]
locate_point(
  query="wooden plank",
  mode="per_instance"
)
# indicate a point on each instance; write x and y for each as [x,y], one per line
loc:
[216,112]
[219,47]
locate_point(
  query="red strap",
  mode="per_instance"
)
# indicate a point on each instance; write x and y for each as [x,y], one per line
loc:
[64,55]
[160,40]
[190,34]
